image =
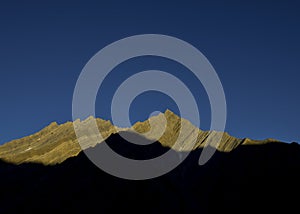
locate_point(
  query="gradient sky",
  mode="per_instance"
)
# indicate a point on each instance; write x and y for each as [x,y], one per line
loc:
[253,45]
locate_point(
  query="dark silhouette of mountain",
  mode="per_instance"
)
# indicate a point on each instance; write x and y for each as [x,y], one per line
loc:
[249,179]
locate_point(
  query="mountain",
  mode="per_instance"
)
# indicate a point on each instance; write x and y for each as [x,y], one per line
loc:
[56,143]
[48,172]
[257,178]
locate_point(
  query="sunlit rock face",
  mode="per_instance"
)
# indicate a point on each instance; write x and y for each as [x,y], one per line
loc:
[55,143]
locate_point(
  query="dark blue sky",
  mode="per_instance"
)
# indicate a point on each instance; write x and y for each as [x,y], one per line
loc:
[253,45]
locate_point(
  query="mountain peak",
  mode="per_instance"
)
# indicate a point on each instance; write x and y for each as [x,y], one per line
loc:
[168,111]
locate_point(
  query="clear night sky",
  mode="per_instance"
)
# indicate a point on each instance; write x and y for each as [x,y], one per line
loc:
[253,45]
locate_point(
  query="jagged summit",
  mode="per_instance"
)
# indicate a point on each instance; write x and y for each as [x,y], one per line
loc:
[55,143]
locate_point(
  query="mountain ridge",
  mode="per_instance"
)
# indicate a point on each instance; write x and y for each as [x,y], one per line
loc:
[57,142]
